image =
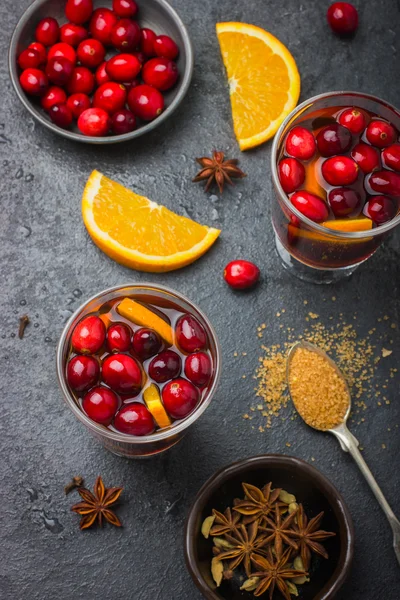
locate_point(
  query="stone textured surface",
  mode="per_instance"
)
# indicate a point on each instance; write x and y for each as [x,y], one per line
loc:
[49,266]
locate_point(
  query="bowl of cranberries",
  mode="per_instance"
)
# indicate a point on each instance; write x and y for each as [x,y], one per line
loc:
[138,364]
[100,71]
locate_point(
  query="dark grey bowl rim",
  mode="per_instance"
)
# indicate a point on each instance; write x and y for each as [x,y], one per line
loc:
[183,83]
[342,513]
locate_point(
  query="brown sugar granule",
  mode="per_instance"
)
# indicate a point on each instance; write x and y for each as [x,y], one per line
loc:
[318,392]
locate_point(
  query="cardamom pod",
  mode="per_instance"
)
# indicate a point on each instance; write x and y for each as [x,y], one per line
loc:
[292,588]
[293,506]
[207,524]
[300,580]
[287,498]
[222,544]
[250,584]
[217,570]
[298,564]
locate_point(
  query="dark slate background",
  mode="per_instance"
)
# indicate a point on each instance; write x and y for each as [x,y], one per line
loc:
[49,266]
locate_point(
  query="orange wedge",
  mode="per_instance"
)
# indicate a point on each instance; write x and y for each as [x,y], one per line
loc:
[263,80]
[139,233]
[152,399]
[143,316]
[348,225]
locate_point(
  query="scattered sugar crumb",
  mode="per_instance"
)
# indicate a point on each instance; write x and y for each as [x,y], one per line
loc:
[386,353]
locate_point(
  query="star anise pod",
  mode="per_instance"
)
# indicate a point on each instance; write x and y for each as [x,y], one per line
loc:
[97,505]
[225,523]
[219,170]
[273,572]
[258,503]
[307,535]
[244,541]
[280,532]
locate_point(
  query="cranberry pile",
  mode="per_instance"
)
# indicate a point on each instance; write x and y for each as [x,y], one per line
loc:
[356,162]
[100,68]
[110,369]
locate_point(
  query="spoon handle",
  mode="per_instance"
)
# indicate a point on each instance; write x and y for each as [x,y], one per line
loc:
[350,444]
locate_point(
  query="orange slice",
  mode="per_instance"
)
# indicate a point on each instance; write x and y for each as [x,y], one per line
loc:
[263,80]
[348,225]
[143,316]
[139,233]
[152,398]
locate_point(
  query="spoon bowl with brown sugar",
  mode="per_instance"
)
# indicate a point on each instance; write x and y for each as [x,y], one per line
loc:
[322,398]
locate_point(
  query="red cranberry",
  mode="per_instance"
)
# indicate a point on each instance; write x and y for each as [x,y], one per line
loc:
[101,74]
[110,97]
[94,122]
[73,34]
[101,24]
[340,170]
[125,35]
[77,103]
[119,337]
[148,37]
[198,368]
[344,201]
[353,119]
[123,121]
[122,373]
[89,335]
[241,274]
[81,82]
[91,53]
[54,95]
[125,8]
[165,366]
[146,343]
[123,67]
[190,334]
[300,143]
[291,174]
[391,157]
[82,372]
[333,139]
[380,133]
[180,397]
[134,419]
[100,405]
[380,209]
[145,102]
[29,59]
[366,157]
[310,205]
[34,82]
[166,47]
[47,31]
[59,70]
[62,50]
[343,18]
[41,50]
[385,182]
[161,73]
[78,11]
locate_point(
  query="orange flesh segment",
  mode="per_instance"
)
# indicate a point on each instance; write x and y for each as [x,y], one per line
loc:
[152,399]
[139,314]
[348,224]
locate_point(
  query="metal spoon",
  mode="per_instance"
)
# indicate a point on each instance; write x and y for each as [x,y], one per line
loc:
[350,444]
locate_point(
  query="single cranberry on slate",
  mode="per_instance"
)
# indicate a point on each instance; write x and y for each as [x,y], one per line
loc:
[145,102]
[125,8]
[119,337]
[190,334]
[310,205]
[78,103]
[110,97]
[100,404]
[165,366]
[340,170]
[125,35]
[61,115]
[40,48]
[344,201]
[54,95]
[380,209]
[83,372]
[122,373]
[146,343]
[300,143]
[89,335]
[333,139]
[385,182]
[94,122]
[29,59]
[180,397]
[354,119]
[64,50]
[380,133]
[148,37]
[165,47]
[343,18]
[367,157]
[34,82]
[47,31]
[73,34]
[291,174]
[91,53]
[241,274]
[391,157]
[78,11]
[198,368]
[134,419]
[101,25]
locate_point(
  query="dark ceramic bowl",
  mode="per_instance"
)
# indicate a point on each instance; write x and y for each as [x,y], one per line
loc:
[310,487]
[156,14]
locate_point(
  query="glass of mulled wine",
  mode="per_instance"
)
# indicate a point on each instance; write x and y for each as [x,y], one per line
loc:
[336,173]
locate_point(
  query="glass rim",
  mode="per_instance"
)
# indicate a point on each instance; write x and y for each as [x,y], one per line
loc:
[275,177]
[125,437]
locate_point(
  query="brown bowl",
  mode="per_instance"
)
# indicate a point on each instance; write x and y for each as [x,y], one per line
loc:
[310,487]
